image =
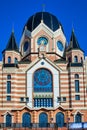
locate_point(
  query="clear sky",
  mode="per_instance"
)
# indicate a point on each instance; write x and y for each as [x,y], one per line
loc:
[71,14]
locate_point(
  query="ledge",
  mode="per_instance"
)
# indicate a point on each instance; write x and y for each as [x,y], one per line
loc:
[10,65]
[75,65]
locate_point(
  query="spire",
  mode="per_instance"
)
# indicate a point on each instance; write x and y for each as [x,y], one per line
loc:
[13,28]
[73,42]
[12,45]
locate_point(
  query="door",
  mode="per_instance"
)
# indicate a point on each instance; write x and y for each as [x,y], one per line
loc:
[78,118]
[8,120]
[43,120]
[60,119]
[26,120]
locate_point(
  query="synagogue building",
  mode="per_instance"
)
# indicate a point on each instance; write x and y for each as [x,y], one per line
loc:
[44,80]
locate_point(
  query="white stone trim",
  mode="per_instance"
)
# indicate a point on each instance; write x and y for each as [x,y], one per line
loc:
[30,73]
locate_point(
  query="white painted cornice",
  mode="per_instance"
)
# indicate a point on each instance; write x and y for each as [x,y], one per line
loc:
[59,32]
[43,59]
[40,27]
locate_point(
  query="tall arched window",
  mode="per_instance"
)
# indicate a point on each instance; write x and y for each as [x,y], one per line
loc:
[43,80]
[75,59]
[60,119]
[43,120]
[8,87]
[9,59]
[77,88]
[78,118]
[26,120]
[8,120]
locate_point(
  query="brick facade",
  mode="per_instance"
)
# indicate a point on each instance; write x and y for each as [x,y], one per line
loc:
[72,102]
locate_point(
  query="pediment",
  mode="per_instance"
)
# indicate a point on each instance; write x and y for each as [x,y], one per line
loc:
[42,63]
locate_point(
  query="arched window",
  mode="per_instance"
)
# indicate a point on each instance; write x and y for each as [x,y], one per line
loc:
[43,80]
[9,59]
[26,120]
[8,120]
[43,120]
[76,76]
[8,87]
[77,86]
[16,60]
[8,76]
[75,59]
[78,118]
[60,119]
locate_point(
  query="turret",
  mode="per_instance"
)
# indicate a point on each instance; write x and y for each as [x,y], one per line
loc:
[11,53]
[74,54]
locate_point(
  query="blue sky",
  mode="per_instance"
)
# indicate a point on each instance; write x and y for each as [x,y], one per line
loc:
[71,14]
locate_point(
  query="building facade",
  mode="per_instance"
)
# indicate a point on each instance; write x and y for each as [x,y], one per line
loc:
[44,80]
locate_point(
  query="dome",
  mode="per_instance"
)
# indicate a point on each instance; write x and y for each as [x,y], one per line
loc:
[48,19]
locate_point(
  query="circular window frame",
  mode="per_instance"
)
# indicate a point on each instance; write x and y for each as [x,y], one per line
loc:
[60,46]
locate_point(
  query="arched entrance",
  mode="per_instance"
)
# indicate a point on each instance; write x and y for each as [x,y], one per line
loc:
[60,119]
[26,120]
[43,120]
[78,118]
[8,120]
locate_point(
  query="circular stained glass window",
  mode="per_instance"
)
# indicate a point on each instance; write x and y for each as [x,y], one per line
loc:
[42,40]
[60,45]
[42,80]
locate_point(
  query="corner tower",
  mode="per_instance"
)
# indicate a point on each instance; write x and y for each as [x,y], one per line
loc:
[74,53]
[11,53]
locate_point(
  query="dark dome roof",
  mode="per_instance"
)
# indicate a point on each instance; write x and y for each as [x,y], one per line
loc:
[50,20]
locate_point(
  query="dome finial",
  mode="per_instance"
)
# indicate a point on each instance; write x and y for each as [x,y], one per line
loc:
[43,7]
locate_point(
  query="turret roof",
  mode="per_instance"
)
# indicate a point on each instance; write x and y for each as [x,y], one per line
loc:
[12,45]
[73,42]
